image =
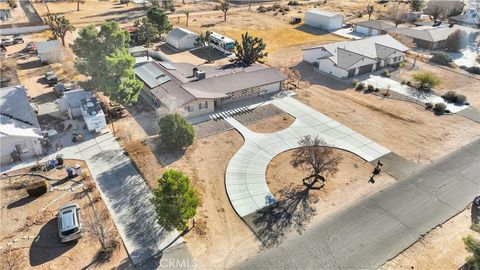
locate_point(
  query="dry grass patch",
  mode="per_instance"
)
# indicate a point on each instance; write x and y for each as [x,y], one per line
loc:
[272,124]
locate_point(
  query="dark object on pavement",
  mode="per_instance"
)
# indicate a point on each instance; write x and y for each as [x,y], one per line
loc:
[51,78]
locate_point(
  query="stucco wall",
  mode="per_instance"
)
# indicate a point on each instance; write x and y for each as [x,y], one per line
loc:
[312,55]
[323,22]
[8,146]
[195,111]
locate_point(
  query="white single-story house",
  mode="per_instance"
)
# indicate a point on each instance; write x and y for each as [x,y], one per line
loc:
[82,104]
[50,51]
[20,133]
[352,58]
[373,27]
[326,20]
[182,87]
[181,39]
[71,102]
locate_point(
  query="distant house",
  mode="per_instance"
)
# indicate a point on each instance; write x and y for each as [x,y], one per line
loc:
[352,58]
[471,17]
[181,39]
[82,104]
[373,27]
[431,37]
[324,20]
[20,133]
[50,51]
[174,87]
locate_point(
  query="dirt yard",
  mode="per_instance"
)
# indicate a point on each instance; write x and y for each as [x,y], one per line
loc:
[272,124]
[29,234]
[404,128]
[441,248]
[348,185]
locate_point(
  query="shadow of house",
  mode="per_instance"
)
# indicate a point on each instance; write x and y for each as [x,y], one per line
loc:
[30,65]
[293,211]
[47,246]
[21,202]
[474,213]
[308,73]
[311,30]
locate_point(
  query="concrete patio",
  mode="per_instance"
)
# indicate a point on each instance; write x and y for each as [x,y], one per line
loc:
[245,180]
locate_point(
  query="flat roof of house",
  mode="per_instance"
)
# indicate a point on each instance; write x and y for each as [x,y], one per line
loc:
[74,97]
[48,46]
[323,13]
[16,115]
[345,54]
[376,24]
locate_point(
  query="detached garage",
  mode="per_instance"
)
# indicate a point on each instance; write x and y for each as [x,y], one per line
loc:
[181,39]
[325,20]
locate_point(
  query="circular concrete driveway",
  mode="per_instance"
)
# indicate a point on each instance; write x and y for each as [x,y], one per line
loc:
[245,180]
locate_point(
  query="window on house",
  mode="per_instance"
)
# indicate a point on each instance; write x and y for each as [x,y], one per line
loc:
[206,104]
[21,148]
[188,108]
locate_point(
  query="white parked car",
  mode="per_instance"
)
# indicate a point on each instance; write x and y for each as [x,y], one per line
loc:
[69,225]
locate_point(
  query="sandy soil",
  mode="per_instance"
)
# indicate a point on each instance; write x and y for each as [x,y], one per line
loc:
[347,186]
[441,248]
[451,80]
[272,124]
[402,127]
[18,15]
[220,238]
[33,233]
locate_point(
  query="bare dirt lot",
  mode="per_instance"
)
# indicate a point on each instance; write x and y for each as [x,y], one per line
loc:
[272,124]
[441,248]
[404,128]
[29,234]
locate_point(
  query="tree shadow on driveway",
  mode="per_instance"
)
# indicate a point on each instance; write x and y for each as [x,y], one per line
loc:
[292,212]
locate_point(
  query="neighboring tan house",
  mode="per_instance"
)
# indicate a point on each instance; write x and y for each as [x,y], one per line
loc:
[352,58]
[433,37]
[20,133]
[373,27]
[180,86]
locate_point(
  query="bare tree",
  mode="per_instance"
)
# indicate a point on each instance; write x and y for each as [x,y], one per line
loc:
[97,227]
[316,155]
[187,13]
[224,7]
[397,13]
[443,9]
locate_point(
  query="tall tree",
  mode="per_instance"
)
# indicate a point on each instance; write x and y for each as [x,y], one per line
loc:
[397,13]
[457,40]
[103,57]
[251,50]
[369,10]
[204,40]
[60,26]
[79,2]
[473,246]
[224,7]
[316,155]
[187,13]
[416,5]
[160,19]
[175,131]
[425,81]
[443,9]
[174,200]
[147,31]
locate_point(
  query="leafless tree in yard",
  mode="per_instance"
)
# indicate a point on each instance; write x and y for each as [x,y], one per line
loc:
[316,155]
[97,227]
[224,7]
[397,13]
[443,9]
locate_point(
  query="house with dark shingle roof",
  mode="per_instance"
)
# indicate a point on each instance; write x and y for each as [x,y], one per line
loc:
[351,58]
[183,87]
[20,132]
[373,27]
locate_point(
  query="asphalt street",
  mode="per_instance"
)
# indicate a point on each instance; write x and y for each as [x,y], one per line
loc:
[367,234]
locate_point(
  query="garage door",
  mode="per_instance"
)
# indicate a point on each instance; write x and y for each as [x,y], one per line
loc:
[351,73]
[365,69]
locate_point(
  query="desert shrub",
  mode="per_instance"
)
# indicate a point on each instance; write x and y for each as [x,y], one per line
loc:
[461,99]
[450,96]
[275,14]
[37,189]
[408,83]
[216,8]
[354,82]
[440,108]
[473,70]
[447,111]
[293,3]
[376,89]
[466,103]
[360,86]
[385,73]
[270,9]
[370,88]
[425,81]
[284,9]
[429,105]
[276,6]
[403,82]
[441,58]
[261,9]
[463,67]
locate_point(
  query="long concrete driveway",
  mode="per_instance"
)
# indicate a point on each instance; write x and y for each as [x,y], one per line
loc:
[245,180]
[379,227]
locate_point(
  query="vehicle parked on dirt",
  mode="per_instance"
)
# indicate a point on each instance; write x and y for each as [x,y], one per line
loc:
[31,46]
[51,78]
[69,224]
[61,88]
[18,39]
[7,41]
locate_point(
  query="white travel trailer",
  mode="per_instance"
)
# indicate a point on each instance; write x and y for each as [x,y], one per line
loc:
[222,43]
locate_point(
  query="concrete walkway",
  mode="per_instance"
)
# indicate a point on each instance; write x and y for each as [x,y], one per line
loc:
[245,181]
[126,196]
[377,228]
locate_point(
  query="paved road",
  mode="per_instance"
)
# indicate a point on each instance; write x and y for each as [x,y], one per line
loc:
[379,227]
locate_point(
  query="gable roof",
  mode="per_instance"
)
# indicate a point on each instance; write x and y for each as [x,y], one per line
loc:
[323,13]
[178,33]
[376,24]
[431,34]
[345,54]
[48,46]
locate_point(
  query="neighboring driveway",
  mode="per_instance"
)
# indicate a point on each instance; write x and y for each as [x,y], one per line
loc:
[245,180]
[377,228]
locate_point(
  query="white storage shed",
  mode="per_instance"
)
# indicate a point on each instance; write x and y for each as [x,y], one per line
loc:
[325,20]
[181,39]
[50,51]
